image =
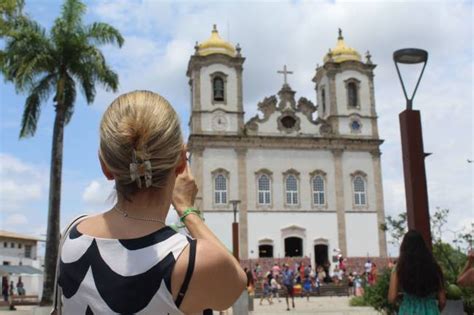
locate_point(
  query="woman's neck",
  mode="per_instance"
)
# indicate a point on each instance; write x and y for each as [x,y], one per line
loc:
[152,203]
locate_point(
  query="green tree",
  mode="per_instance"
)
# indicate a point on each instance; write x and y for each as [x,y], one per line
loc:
[44,64]
[11,13]
[396,227]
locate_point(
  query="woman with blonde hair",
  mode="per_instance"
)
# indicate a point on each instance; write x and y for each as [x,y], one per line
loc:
[127,260]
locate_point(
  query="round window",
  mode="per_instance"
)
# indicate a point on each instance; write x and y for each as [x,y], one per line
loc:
[288,122]
[355,125]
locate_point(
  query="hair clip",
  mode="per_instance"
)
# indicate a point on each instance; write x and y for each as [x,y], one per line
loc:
[138,170]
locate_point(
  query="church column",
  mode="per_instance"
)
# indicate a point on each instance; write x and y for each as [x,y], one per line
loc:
[341,213]
[240,101]
[243,221]
[198,173]
[373,113]
[196,110]
[333,111]
[379,201]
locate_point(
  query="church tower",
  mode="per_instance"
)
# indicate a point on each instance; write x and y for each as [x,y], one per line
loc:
[345,92]
[215,79]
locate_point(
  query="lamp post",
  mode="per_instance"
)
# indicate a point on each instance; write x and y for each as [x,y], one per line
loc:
[416,192]
[235,230]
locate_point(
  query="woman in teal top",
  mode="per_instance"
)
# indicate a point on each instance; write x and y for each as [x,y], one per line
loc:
[419,278]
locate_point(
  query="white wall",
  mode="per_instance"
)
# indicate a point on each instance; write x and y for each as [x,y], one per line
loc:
[341,93]
[362,234]
[268,225]
[358,161]
[278,162]
[8,251]
[212,160]
[365,130]
[230,85]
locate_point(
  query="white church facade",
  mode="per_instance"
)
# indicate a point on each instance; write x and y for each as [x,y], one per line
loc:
[308,176]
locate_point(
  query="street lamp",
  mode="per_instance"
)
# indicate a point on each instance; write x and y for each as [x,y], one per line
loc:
[235,230]
[410,56]
[416,192]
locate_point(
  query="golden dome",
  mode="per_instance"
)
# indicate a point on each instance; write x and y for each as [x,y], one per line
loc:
[342,52]
[215,45]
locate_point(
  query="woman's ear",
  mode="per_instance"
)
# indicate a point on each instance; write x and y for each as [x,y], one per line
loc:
[182,162]
[105,169]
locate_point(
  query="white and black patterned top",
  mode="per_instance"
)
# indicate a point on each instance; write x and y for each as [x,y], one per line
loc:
[131,276]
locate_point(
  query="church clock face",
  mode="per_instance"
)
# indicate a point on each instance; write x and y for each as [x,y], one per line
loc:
[219,122]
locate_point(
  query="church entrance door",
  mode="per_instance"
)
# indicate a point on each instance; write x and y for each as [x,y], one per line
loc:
[321,255]
[265,251]
[293,247]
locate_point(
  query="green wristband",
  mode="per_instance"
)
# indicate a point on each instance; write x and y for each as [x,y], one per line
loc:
[189,211]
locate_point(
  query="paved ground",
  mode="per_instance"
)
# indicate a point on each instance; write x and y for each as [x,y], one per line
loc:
[315,305]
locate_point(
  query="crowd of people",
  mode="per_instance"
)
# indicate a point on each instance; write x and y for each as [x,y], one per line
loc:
[416,284]
[304,280]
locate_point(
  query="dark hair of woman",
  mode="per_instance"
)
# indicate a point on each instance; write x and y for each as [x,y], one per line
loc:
[418,272]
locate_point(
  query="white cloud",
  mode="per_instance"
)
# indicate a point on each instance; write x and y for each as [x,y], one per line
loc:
[97,193]
[16,219]
[21,183]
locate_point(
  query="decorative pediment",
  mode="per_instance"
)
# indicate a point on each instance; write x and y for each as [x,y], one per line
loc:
[306,107]
[321,241]
[281,114]
[291,171]
[293,230]
[268,106]
[287,98]
[265,241]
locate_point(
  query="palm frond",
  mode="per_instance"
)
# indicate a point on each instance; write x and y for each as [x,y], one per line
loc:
[72,13]
[103,33]
[91,68]
[27,55]
[31,113]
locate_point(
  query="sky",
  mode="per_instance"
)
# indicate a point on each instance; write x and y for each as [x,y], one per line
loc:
[159,40]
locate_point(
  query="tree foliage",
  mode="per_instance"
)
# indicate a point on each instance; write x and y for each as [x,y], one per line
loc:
[44,64]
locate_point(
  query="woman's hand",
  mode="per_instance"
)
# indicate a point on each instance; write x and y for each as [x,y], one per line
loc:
[185,190]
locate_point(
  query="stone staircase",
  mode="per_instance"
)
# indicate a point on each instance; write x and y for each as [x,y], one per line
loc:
[327,290]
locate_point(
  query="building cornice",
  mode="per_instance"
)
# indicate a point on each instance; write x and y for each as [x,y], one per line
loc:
[199,141]
[196,62]
[332,68]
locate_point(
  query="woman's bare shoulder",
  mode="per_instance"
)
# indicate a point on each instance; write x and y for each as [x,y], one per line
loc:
[93,225]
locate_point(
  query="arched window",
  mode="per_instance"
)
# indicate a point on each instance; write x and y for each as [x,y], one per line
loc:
[291,190]
[218,88]
[352,94]
[318,191]
[323,100]
[264,196]
[360,198]
[220,189]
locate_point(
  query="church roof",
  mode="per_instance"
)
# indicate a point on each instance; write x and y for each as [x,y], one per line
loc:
[216,45]
[341,52]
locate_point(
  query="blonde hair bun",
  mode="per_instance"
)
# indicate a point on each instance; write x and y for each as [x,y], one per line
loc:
[140,126]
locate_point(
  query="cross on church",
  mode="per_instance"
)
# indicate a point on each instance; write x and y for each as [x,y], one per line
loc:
[285,73]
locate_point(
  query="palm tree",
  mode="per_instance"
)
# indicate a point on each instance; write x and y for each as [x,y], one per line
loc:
[53,64]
